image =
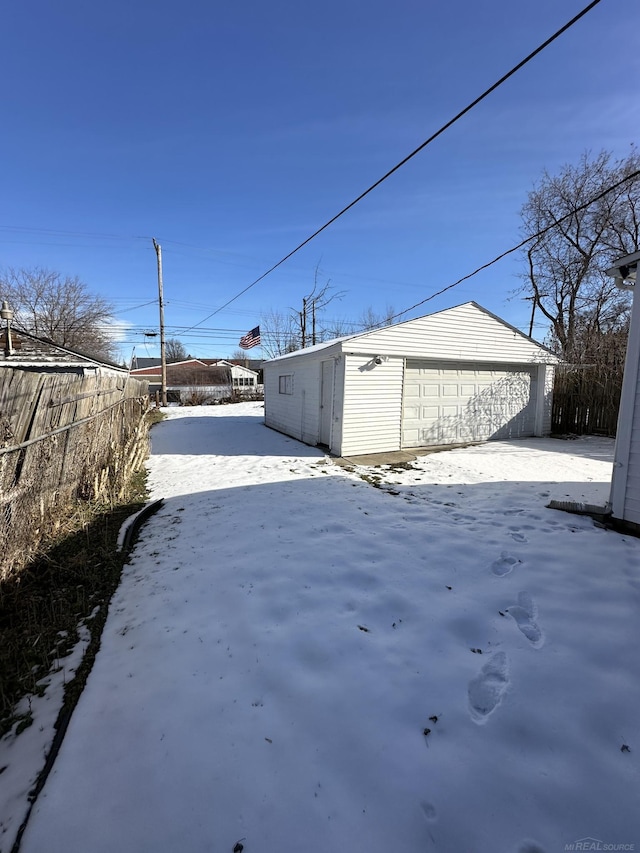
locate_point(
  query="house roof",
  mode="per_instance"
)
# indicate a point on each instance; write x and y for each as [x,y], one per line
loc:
[187,373]
[251,363]
[174,366]
[32,351]
[154,369]
[373,337]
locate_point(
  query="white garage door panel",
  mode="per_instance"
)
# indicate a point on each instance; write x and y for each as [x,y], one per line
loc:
[453,403]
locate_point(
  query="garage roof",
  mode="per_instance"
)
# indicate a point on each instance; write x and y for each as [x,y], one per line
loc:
[466,331]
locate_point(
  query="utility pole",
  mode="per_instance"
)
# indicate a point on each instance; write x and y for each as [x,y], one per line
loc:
[303,322]
[163,358]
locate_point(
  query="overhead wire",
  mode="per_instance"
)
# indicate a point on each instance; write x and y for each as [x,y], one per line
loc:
[554,224]
[522,243]
[55,231]
[406,159]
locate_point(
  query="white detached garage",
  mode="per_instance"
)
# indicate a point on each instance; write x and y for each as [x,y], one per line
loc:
[460,375]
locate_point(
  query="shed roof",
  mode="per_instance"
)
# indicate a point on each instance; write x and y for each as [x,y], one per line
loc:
[31,351]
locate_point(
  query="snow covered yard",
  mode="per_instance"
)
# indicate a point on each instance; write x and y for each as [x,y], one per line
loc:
[298,660]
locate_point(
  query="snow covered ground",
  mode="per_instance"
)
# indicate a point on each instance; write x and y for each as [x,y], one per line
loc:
[298,660]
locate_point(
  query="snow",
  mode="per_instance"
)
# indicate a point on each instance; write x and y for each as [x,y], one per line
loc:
[299,660]
[23,753]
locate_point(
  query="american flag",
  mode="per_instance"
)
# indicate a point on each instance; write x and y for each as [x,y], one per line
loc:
[251,339]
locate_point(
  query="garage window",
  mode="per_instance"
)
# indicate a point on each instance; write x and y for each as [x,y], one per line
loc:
[285,383]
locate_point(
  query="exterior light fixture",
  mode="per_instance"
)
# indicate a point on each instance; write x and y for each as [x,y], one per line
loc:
[624,271]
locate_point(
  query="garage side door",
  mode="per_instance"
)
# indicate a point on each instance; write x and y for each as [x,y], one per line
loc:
[454,403]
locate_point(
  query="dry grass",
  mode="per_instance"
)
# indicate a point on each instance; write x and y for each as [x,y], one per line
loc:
[73,574]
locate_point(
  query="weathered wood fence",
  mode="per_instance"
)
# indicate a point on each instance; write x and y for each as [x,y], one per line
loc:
[586,400]
[62,437]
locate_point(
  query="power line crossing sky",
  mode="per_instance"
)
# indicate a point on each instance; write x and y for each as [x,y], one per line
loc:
[232,133]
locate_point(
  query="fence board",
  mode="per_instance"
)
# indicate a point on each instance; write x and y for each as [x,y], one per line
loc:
[586,401]
[62,436]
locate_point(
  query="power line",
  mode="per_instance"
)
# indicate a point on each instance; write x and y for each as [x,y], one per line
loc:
[135,307]
[523,243]
[520,245]
[55,231]
[406,159]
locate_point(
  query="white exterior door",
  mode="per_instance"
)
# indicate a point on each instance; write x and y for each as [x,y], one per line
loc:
[452,403]
[326,403]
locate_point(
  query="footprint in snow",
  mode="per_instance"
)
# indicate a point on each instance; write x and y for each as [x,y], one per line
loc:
[429,811]
[504,565]
[488,687]
[524,613]
[517,535]
[529,846]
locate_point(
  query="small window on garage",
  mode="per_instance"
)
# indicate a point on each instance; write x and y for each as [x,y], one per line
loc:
[285,383]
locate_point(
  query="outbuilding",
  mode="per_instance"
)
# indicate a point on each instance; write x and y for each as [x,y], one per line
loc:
[457,376]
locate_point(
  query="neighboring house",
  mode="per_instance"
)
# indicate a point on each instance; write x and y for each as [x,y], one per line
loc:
[457,376]
[194,379]
[153,373]
[213,377]
[625,486]
[242,377]
[29,352]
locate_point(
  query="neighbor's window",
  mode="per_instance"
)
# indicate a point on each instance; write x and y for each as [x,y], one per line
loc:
[285,384]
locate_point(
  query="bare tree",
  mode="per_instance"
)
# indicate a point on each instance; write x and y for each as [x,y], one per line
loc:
[308,319]
[278,333]
[283,333]
[565,276]
[59,309]
[175,350]
[238,355]
[370,319]
[338,328]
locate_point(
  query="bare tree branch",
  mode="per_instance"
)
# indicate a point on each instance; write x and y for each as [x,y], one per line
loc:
[60,309]
[566,266]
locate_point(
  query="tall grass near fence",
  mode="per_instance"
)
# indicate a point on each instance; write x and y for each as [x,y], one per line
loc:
[63,438]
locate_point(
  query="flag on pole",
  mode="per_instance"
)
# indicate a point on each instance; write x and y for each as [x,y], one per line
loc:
[251,339]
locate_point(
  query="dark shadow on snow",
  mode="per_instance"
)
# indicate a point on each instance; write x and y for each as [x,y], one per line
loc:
[242,435]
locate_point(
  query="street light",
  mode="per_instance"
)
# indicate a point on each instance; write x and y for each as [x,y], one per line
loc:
[7,314]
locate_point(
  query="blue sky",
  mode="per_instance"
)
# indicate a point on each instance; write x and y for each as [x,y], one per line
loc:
[230,132]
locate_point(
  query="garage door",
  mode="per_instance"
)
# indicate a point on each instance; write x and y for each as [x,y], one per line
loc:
[455,403]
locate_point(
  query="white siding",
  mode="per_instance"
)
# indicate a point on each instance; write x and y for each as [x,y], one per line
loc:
[338,405]
[464,333]
[372,405]
[367,398]
[625,486]
[296,414]
[544,398]
[249,377]
[632,491]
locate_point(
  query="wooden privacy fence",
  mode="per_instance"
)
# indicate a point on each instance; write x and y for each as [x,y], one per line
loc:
[62,437]
[586,400]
